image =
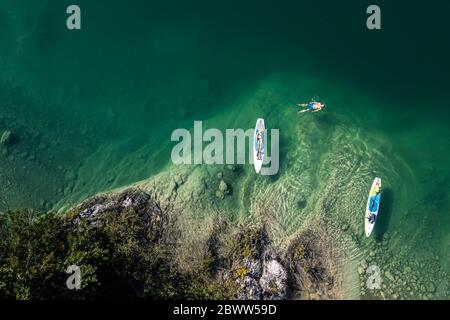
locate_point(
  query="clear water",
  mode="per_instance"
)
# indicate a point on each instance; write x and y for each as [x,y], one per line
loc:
[93,110]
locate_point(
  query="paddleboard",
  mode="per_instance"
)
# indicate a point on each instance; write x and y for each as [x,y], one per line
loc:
[259,144]
[373,205]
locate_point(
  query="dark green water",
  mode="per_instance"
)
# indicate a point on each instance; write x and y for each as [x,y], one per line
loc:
[92,110]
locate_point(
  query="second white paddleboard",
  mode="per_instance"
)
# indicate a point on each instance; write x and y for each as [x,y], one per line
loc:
[373,205]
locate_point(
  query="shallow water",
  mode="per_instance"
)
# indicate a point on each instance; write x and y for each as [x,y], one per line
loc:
[93,110]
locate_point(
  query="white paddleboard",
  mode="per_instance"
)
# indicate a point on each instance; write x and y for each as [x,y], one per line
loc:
[259,144]
[373,205]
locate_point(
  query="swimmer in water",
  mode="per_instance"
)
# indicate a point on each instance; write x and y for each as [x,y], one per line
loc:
[313,106]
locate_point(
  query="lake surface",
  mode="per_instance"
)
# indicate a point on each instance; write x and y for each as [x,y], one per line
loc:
[92,110]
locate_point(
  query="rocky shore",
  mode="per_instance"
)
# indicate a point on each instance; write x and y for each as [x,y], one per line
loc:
[199,236]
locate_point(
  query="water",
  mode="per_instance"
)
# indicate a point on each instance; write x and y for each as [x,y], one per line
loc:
[93,110]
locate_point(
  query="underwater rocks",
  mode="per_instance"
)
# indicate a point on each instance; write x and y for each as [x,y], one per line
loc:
[241,259]
[223,189]
[400,277]
[6,138]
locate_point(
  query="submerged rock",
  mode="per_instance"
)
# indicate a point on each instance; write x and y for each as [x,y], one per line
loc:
[389,276]
[239,258]
[431,287]
[223,187]
[6,138]
[220,195]
[361,269]
[223,190]
[178,179]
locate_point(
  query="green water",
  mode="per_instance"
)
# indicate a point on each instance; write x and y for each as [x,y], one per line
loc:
[93,110]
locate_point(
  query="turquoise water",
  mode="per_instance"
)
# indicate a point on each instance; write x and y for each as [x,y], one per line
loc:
[93,110]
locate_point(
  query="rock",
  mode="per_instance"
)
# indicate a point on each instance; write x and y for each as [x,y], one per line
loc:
[149,211]
[6,137]
[314,296]
[364,263]
[249,289]
[431,287]
[223,190]
[389,276]
[179,180]
[361,269]
[254,267]
[223,186]
[273,280]
[220,194]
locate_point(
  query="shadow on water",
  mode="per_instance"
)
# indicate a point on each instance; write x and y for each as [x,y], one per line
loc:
[384,215]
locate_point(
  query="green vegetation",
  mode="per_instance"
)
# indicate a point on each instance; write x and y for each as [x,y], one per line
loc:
[118,255]
[241,272]
[32,253]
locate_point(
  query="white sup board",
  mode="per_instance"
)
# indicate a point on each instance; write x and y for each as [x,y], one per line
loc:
[259,144]
[373,205]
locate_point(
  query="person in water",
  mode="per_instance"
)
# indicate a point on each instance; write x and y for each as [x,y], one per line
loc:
[259,139]
[313,106]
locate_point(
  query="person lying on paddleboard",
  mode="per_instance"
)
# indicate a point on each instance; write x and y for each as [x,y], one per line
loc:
[376,192]
[313,106]
[259,139]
